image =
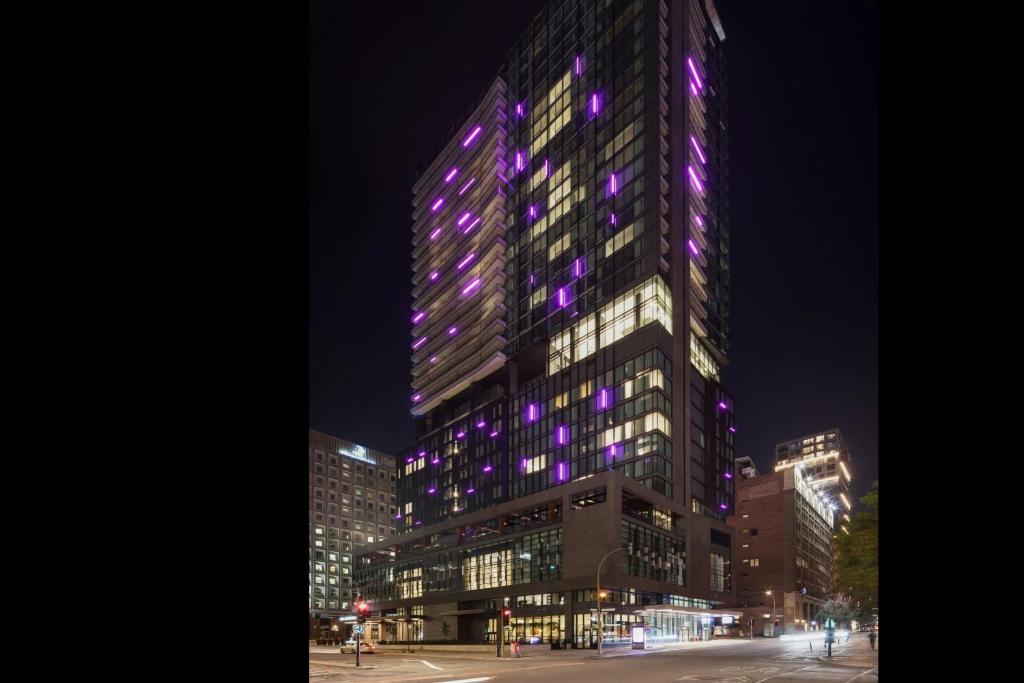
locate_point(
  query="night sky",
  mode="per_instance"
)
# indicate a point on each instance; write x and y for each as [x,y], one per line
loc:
[389,80]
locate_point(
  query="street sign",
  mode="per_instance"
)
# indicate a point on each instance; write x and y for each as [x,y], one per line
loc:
[359,628]
[830,623]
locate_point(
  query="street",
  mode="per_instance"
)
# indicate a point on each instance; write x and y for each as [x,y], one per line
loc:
[789,658]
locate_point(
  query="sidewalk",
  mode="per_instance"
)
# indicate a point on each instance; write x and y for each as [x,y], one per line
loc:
[856,652]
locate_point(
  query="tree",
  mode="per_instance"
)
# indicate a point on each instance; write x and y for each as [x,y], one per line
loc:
[833,609]
[857,558]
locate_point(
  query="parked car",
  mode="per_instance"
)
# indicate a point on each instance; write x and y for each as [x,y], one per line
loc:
[365,647]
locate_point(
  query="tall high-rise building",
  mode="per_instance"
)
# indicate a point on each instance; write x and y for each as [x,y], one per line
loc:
[825,462]
[569,326]
[351,503]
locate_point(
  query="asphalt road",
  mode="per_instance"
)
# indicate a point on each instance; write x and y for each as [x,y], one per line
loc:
[726,661]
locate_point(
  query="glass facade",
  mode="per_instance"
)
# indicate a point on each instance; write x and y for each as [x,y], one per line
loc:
[549,300]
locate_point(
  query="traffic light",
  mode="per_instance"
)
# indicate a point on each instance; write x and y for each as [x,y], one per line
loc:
[362,609]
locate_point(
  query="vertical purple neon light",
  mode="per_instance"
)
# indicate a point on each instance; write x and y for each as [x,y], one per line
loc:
[693,247]
[578,66]
[693,89]
[547,168]
[612,184]
[693,70]
[472,136]
[694,180]
[696,148]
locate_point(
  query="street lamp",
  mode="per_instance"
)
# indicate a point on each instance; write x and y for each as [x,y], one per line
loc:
[600,619]
[769,592]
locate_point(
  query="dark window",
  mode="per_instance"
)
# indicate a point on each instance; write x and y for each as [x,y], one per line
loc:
[720,538]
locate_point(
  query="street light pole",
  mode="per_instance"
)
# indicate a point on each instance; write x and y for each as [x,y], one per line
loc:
[600,619]
[769,592]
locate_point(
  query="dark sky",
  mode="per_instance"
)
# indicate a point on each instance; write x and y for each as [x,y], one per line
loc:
[388,81]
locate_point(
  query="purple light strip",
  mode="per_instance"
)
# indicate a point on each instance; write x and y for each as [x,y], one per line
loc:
[466,186]
[421,454]
[519,161]
[472,225]
[696,148]
[421,342]
[453,330]
[488,468]
[409,459]
[471,286]
[693,70]
[531,412]
[533,278]
[560,436]
[577,66]
[728,475]
[614,186]
[613,219]
[561,471]
[431,490]
[469,257]
[434,275]
[722,405]
[433,235]
[547,168]
[494,434]
[437,205]
[419,316]
[694,179]
[481,425]
[699,221]
[472,136]
[693,89]
[435,461]
[722,506]
[460,435]
[451,174]
[470,490]
[693,247]
[416,397]
[576,268]
[732,429]
[561,297]
[533,212]
[434,359]
[593,104]
[603,402]
[464,218]
[519,109]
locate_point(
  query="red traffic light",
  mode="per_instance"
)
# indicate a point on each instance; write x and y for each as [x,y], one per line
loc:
[507,613]
[362,607]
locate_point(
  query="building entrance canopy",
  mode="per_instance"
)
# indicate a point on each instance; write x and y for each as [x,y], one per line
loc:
[652,610]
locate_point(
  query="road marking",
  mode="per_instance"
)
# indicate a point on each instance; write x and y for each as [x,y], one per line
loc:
[489,671]
[471,680]
[784,672]
[423,661]
[860,674]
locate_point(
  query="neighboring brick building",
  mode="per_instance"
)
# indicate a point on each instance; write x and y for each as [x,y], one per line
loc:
[783,531]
